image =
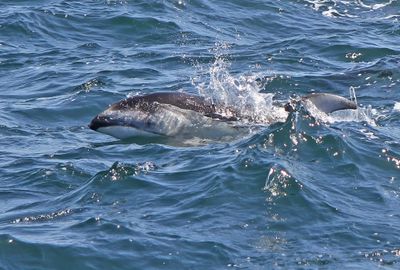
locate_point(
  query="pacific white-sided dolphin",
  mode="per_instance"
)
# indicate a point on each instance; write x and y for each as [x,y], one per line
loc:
[180,114]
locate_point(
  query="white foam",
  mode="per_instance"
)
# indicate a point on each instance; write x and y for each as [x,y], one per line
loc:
[331,12]
[345,8]
[375,6]
[396,106]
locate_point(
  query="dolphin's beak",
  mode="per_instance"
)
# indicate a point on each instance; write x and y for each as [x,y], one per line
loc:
[100,121]
[94,124]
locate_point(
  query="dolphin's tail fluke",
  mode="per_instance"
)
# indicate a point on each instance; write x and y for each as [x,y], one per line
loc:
[326,103]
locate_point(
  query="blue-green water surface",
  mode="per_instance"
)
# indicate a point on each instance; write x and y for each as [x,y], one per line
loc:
[303,194]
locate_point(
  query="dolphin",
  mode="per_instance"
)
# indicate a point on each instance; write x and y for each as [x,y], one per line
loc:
[182,114]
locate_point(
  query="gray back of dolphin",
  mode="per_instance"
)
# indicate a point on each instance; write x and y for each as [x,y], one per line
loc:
[181,100]
[329,103]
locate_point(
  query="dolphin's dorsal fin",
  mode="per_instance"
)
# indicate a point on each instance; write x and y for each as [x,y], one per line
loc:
[328,103]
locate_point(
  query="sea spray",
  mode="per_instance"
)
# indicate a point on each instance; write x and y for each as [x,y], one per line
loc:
[239,91]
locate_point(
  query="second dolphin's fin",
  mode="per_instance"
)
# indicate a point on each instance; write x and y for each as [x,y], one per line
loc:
[328,103]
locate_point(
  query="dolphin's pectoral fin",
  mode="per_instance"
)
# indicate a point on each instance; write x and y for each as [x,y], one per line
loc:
[329,103]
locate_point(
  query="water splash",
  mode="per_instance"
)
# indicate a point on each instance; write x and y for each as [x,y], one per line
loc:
[241,92]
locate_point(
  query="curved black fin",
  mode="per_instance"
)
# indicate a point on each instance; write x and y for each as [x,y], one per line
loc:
[328,103]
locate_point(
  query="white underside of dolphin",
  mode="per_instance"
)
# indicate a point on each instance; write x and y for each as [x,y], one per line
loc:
[165,120]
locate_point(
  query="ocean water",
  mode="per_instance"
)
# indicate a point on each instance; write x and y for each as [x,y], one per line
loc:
[309,192]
